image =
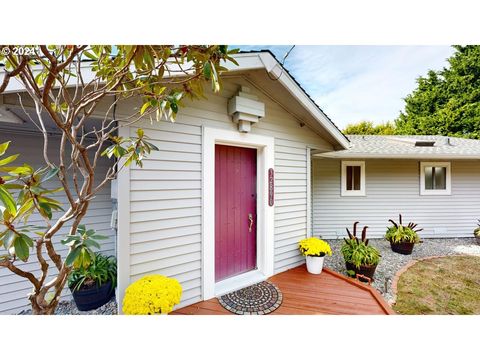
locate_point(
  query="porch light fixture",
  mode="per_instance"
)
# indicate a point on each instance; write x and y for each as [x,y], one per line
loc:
[245,109]
[8,116]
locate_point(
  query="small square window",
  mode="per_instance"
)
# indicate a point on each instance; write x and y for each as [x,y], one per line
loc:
[435,179]
[353,178]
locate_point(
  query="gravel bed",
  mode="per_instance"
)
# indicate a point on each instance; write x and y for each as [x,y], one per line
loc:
[69,308]
[391,262]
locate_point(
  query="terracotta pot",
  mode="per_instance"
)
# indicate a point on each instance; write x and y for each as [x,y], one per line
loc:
[404,248]
[365,270]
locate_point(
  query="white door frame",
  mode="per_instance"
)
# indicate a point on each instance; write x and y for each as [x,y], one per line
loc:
[265,214]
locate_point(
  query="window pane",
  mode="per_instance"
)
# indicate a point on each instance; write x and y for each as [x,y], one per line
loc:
[349,177]
[356,177]
[428,178]
[353,177]
[440,178]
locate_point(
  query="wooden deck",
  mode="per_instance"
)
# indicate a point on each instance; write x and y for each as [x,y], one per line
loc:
[307,294]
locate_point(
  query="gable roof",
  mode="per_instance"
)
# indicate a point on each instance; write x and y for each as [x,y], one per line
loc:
[407,147]
[285,70]
[251,61]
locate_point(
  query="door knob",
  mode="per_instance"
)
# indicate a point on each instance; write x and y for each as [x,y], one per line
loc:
[250,222]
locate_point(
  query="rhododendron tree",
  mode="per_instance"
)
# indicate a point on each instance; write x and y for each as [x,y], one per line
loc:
[67,85]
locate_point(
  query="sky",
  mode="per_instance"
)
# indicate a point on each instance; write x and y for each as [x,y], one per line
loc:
[355,83]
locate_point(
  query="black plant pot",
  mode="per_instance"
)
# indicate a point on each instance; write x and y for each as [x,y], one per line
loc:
[365,270]
[93,298]
[404,248]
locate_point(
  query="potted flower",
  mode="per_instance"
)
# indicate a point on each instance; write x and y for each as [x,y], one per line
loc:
[152,294]
[361,259]
[476,232]
[94,286]
[402,238]
[314,249]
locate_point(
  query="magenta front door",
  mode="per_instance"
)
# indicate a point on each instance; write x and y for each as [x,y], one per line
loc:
[235,210]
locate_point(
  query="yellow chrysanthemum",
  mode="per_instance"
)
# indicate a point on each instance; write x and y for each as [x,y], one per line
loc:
[314,247]
[152,294]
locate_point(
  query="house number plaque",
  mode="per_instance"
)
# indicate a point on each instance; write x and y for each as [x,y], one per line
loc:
[271,187]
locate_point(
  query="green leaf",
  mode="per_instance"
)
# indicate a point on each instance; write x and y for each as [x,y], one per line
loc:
[8,239]
[90,55]
[19,170]
[50,174]
[8,160]
[45,210]
[81,229]
[27,239]
[22,250]
[91,243]
[25,207]
[72,256]
[4,147]
[8,201]
[207,70]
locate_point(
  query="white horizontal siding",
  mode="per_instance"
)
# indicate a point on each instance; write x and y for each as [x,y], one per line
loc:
[166,194]
[14,289]
[393,187]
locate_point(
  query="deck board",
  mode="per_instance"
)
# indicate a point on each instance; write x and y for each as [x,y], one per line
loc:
[307,294]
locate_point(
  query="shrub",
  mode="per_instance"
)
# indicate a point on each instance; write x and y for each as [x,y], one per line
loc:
[152,294]
[476,232]
[101,270]
[314,247]
[399,233]
[357,251]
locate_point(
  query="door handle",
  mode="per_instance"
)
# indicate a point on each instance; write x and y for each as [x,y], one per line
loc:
[250,222]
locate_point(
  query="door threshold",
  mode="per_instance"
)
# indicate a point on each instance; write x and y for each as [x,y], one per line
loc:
[238,282]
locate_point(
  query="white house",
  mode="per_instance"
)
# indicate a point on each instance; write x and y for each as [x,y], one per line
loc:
[240,177]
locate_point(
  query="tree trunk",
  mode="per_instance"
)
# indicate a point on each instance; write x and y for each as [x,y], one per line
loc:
[40,306]
[44,308]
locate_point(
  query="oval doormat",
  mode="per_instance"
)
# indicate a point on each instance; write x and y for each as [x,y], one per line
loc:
[258,299]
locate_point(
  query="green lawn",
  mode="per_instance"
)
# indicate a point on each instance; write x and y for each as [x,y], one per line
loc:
[447,285]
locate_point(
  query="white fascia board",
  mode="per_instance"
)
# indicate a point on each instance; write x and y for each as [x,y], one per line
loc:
[246,61]
[332,155]
[274,68]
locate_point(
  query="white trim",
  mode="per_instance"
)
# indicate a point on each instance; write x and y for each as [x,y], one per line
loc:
[123,227]
[239,282]
[344,191]
[448,180]
[309,192]
[265,146]
[276,70]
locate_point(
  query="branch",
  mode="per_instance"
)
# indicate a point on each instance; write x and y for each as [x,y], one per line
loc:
[12,73]
[9,265]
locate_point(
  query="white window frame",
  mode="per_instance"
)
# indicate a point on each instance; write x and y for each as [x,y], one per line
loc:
[344,191]
[448,180]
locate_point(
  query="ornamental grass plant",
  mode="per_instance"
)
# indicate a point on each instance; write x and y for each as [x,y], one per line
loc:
[152,294]
[399,233]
